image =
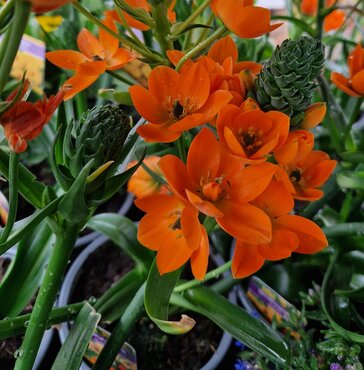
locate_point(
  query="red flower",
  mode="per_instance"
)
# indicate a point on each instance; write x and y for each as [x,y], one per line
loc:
[42,6]
[24,120]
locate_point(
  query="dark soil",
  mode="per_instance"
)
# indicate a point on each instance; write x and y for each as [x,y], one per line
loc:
[159,351]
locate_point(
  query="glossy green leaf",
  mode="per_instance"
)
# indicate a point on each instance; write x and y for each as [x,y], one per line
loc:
[356,294]
[353,157]
[70,355]
[330,283]
[23,227]
[73,205]
[157,296]
[239,323]
[29,187]
[123,233]
[351,180]
[25,275]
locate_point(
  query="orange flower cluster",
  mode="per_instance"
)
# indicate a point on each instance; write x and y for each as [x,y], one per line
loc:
[247,177]
[97,56]
[332,21]
[354,85]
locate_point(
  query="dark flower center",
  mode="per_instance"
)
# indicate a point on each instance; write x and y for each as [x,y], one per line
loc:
[177,109]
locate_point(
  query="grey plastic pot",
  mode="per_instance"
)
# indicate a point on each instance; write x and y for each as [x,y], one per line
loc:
[47,337]
[76,266]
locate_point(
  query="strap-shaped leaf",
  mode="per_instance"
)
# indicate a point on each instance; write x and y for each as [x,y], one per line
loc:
[25,226]
[29,187]
[120,97]
[123,233]
[239,323]
[70,355]
[25,275]
[156,300]
[351,180]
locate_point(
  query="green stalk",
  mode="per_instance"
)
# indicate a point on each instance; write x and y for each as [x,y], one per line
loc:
[201,46]
[4,44]
[6,9]
[20,21]
[162,26]
[121,331]
[13,195]
[320,19]
[205,31]
[350,228]
[17,325]
[181,27]
[47,294]
[120,78]
[213,274]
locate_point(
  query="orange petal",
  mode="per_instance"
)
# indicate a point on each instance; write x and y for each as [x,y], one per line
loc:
[246,223]
[357,82]
[194,86]
[200,257]
[281,125]
[163,83]
[89,45]
[222,49]
[191,227]
[175,172]
[203,206]
[79,83]
[356,60]
[311,237]
[119,59]
[246,260]
[214,103]
[254,67]
[67,59]
[148,105]
[308,7]
[308,194]
[334,20]
[284,242]
[159,204]
[188,122]
[108,42]
[152,133]
[91,68]
[314,115]
[343,84]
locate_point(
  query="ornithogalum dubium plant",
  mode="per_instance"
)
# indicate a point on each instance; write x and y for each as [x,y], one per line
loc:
[235,133]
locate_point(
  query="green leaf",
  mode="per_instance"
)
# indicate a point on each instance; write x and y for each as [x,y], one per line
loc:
[119,97]
[156,301]
[73,205]
[29,188]
[239,323]
[112,304]
[70,355]
[299,23]
[24,278]
[23,227]
[351,180]
[356,294]
[353,157]
[123,233]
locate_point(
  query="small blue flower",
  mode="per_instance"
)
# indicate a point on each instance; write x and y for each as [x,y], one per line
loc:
[240,345]
[336,366]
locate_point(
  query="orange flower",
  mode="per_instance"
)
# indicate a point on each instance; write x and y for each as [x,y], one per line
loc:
[142,4]
[142,183]
[313,115]
[176,102]
[219,186]
[42,6]
[332,21]
[290,233]
[308,173]
[172,228]
[251,135]
[354,85]
[242,18]
[97,55]
[24,120]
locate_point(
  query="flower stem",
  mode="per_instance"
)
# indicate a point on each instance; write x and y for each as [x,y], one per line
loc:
[181,149]
[20,21]
[181,27]
[201,46]
[354,115]
[210,275]
[13,195]
[320,19]
[46,296]
[121,331]
[120,78]
[6,9]
[162,27]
